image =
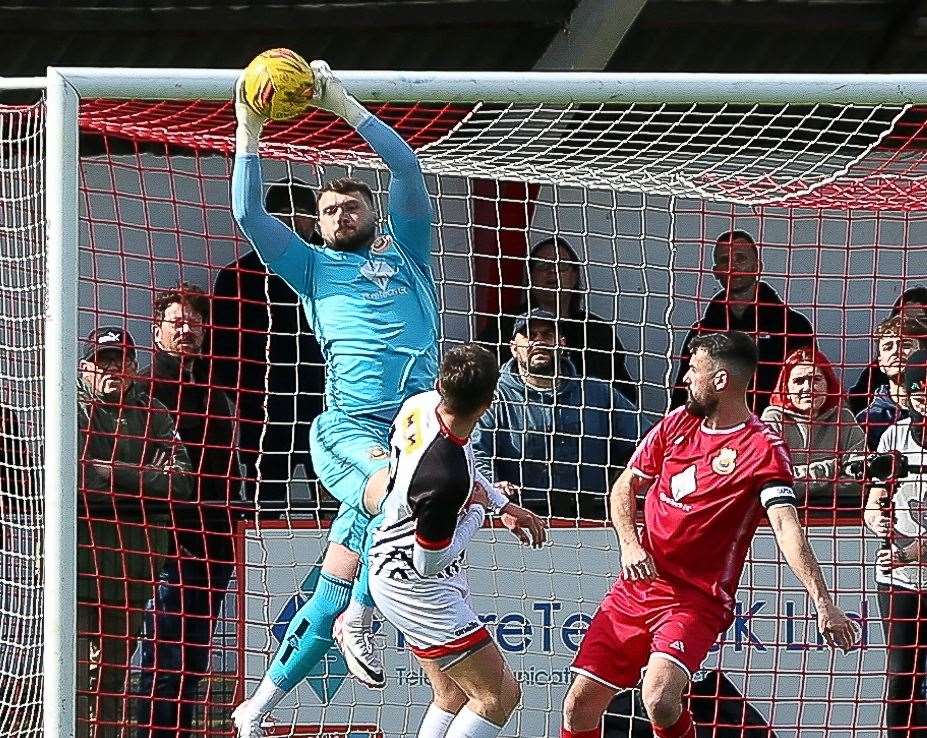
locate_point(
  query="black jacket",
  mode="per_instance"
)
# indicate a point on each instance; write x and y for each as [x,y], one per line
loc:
[262,347]
[593,348]
[205,420]
[777,329]
[861,394]
[18,473]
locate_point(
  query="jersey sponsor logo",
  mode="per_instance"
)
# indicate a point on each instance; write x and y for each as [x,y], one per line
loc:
[377,452]
[379,272]
[725,462]
[678,440]
[681,485]
[678,646]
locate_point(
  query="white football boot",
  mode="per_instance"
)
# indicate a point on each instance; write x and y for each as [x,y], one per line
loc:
[355,639]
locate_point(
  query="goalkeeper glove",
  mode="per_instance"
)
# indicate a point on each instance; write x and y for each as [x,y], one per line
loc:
[250,124]
[330,95]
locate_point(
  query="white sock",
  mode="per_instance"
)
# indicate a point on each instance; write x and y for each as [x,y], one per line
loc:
[435,723]
[358,613]
[265,697]
[468,724]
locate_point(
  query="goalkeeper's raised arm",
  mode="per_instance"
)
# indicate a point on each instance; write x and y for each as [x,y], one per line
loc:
[370,297]
[280,248]
[410,212]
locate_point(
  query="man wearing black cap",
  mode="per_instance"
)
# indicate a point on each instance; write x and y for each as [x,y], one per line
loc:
[266,356]
[900,571]
[559,436]
[132,466]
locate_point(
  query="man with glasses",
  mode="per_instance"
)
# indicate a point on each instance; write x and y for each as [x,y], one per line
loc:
[180,620]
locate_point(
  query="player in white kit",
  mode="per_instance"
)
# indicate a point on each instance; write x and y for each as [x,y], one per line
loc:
[436,501]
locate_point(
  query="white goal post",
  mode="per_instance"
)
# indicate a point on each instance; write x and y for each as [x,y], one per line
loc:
[65,88]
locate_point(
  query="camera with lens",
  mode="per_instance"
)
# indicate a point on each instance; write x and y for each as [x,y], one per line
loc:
[880,467]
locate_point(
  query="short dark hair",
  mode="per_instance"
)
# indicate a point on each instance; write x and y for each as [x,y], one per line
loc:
[737,235]
[468,378]
[901,325]
[187,294]
[288,196]
[911,296]
[734,350]
[347,186]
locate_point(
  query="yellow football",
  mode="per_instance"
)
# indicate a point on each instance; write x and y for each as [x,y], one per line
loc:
[278,84]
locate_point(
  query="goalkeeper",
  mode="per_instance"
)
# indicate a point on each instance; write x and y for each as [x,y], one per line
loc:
[371,301]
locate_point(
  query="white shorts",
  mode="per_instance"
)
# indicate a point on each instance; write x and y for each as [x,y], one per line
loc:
[434,615]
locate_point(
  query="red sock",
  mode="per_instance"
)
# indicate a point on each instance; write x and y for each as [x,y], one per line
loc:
[682,728]
[594,733]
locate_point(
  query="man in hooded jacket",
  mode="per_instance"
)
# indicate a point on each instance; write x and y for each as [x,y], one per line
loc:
[559,436]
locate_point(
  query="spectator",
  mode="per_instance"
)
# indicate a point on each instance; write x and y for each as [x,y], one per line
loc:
[896,339]
[21,539]
[180,620]
[745,303]
[806,410]
[132,467]
[912,303]
[901,574]
[18,477]
[554,283]
[268,358]
[559,436]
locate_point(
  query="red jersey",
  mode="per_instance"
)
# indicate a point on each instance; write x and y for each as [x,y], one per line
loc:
[710,489]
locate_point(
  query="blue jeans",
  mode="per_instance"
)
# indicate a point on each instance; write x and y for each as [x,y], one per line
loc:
[175,649]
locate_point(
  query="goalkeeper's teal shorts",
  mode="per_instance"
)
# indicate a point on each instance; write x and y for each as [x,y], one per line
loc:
[346,451]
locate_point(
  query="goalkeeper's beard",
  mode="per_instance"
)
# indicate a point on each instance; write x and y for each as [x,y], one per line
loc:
[354,241]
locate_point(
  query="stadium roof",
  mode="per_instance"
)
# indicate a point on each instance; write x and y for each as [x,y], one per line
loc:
[666,35]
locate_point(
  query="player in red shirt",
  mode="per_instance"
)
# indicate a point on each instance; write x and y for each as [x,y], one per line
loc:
[709,470]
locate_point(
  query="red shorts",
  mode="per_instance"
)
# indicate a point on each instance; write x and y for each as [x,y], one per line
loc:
[637,619]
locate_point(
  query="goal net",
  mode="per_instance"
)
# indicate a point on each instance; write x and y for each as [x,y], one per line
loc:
[832,194]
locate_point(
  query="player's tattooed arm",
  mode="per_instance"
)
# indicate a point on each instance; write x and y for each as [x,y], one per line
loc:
[636,561]
[838,630]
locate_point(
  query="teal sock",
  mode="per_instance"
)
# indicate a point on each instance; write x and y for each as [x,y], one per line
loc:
[361,592]
[309,634]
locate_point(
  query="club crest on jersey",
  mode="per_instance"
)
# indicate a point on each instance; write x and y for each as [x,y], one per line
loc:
[381,245]
[725,462]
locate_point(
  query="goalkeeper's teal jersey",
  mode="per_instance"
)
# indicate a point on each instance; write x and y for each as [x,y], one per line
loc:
[374,311]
